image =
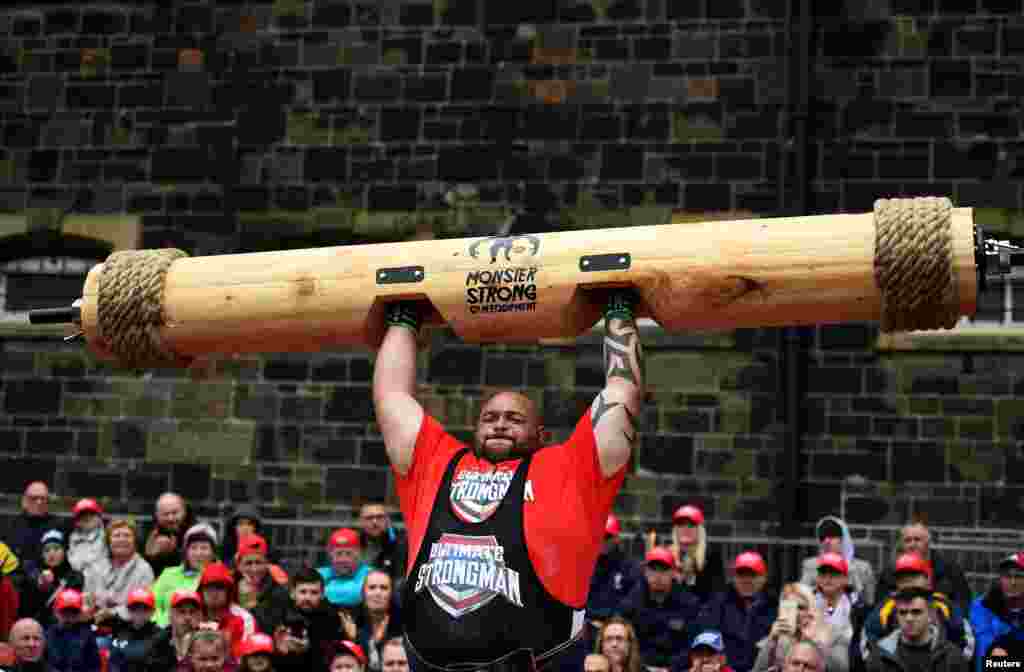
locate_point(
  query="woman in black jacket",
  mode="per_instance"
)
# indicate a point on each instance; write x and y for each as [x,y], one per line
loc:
[377,619]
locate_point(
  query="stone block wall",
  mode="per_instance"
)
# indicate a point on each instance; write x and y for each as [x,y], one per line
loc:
[261,125]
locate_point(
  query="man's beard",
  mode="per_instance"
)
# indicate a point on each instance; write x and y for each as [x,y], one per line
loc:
[498,449]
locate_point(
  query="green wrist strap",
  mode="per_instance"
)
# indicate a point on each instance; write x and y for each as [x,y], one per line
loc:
[403,314]
[621,304]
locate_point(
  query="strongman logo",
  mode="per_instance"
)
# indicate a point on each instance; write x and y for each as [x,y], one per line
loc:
[465,573]
[476,495]
[525,245]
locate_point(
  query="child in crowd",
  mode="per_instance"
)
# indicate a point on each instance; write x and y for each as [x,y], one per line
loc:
[70,643]
[130,638]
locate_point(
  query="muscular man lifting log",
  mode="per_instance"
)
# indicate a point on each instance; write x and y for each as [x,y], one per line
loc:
[504,534]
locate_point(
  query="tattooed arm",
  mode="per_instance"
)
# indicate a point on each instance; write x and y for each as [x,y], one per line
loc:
[616,408]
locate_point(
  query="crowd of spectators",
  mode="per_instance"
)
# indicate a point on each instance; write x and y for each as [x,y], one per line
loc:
[92,593]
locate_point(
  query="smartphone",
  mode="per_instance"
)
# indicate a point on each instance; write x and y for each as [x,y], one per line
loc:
[787,612]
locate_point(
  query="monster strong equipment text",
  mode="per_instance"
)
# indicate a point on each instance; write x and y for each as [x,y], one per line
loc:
[466,572]
[503,290]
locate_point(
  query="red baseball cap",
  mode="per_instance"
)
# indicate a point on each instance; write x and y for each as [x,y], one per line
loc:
[660,555]
[751,560]
[611,526]
[690,513]
[87,505]
[256,643]
[344,538]
[141,596]
[183,595]
[68,599]
[912,563]
[835,561]
[347,648]
[251,544]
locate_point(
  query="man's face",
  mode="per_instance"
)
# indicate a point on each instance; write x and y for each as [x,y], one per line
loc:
[596,663]
[910,580]
[747,582]
[185,617]
[706,659]
[915,540]
[259,662]
[27,640]
[307,596]
[802,658]
[36,500]
[170,512]
[615,643]
[393,659]
[830,582]
[659,578]
[344,560]
[344,663]
[508,428]
[215,596]
[1012,582]
[913,618]
[374,520]
[207,656]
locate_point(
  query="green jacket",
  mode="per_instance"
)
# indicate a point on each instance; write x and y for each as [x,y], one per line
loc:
[171,579]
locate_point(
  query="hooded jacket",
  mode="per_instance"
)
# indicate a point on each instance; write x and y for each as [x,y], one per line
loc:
[231,536]
[946,657]
[180,576]
[862,575]
[235,621]
[991,618]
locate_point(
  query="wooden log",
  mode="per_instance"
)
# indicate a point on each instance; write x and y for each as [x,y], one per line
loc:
[702,275]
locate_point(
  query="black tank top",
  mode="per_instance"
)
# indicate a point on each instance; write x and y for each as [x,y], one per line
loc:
[472,595]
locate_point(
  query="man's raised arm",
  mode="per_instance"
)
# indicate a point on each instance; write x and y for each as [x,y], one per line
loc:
[399,415]
[616,408]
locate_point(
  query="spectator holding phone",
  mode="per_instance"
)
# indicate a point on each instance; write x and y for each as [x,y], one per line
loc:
[304,627]
[801,619]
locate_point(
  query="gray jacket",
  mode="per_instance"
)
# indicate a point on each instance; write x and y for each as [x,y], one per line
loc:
[946,657]
[862,575]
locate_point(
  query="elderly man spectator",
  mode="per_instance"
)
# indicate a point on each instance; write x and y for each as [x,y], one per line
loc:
[29,645]
[834,537]
[344,577]
[744,612]
[109,581]
[26,536]
[999,613]
[947,576]
[393,658]
[384,546]
[165,541]
[918,644]
[661,610]
[805,656]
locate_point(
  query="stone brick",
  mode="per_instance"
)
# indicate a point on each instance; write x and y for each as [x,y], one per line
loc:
[840,466]
[29,469]
[93,484]
[1000,506]
[347,485]
[906,428]
[129,439]
[455,366]
[51,442]
[849,425]
[918,462]
[32,397]
[665,454]
[350,404]
[819,499]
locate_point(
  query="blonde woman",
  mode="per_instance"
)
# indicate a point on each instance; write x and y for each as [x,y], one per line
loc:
[698,568]
[810,625]
[616,639]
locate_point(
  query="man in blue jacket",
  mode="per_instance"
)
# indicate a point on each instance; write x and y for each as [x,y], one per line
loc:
[661,610]
[999,613]
[743,612]
[71,643]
